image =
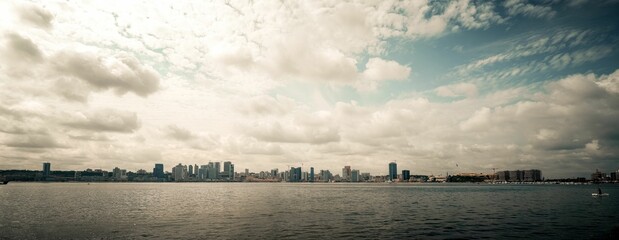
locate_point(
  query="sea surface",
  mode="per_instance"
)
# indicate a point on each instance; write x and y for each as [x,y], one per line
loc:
[305,211]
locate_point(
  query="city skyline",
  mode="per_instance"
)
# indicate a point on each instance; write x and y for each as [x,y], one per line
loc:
[455,86]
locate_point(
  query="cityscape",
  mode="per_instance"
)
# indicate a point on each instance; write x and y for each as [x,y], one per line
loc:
[213,172]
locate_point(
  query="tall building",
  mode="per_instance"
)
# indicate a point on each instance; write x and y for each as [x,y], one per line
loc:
[191,169]
[598,176]
[179,172]
[213,170]
[228,170]
[295,174]
[354,176]
[311,174]
[406,175]
[217,166]
[116,173]
[158,171]
[532,175]
[393,171]
[346,173]
[47,169]
[325,175]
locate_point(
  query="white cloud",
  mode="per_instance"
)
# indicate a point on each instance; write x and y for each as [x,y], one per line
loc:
[521,7]
[456,90]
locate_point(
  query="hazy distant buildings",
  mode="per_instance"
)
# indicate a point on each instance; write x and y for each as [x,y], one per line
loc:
[598,176]
[158,171]
[533,175]
[228,170]
[179,172]
[346,173]
[406,175]
[393,171]
[47,169]
[295,174]
[355,176]
[311,174]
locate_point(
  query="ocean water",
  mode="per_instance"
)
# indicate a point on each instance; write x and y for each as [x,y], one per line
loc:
[303,211]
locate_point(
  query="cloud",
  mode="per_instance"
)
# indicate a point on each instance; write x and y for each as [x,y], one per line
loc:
[293,133]
[123,73]
[521,7]
[456,90]
[34,141]
[106,120]
[35,15]
[180,134]
[19,48]
[267,105]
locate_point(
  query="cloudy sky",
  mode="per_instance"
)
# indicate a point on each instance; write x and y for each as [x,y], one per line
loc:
[457,86]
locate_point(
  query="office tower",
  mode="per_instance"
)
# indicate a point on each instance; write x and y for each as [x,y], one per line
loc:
[311,174]
[274,172]
[228,170]
[354,176]
[47,169]
[116,173]
[532,175]
[190,169]
[246,172]
[158,171]
[179,172]
[203,172]
[346,173]
[213,172]
[406,175]
[393,171]
[325,175]
[195,169]
[217,166]
[295,174]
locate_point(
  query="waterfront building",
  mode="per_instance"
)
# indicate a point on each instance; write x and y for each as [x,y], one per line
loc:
[311,174]
[354,176]
[393,171]
[516,176]
[179,172]
[228,170]
[325,175]
[533,175]
[213,171]
[346,173]
[406,175]
[47,169]
[191,169]
[295,174]
[158,171]
[598,176]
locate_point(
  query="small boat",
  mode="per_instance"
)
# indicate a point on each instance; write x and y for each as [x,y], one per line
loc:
[600,194]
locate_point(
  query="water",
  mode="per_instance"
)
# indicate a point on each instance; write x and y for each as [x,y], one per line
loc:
[279,210]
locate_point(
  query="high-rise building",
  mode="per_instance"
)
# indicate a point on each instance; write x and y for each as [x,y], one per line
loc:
[346,173]
[295,174]
[190,169]
[158,171]
[406,175]
[393,171]
[47,169]
[116,173]
[311,174]
[213,171]
[217,166]
[598,176]
[179,172]
[532,175]
[228,170]
[354,176]
[325,175]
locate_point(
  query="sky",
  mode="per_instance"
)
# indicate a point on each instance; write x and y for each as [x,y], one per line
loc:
[437,86]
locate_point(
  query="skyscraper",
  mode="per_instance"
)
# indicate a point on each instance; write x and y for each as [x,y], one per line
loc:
[179,172]
[228,170]
[158,171]
[47,169]
[191,169]
[295,174]
[354,176]
[393,171]
[346,173]
[311,174]
[406,175]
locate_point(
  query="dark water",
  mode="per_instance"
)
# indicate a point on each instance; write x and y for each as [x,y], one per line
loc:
[278,210]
